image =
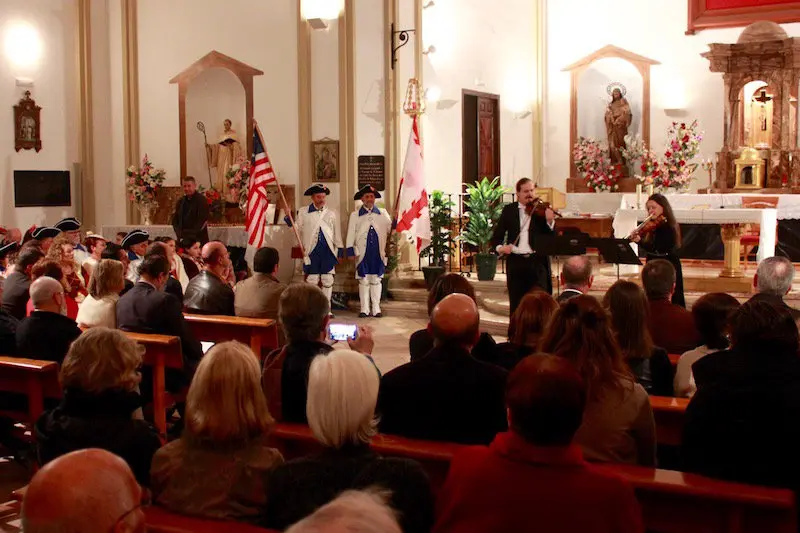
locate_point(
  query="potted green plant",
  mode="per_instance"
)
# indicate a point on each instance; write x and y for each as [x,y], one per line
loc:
[392,261]
[484,202]
[440,208]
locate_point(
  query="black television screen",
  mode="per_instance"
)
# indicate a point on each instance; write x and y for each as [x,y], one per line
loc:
[41,188]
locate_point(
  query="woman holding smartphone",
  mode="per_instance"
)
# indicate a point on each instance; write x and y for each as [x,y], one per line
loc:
[664,241]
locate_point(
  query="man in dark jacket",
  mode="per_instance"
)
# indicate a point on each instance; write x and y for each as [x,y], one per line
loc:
[17,285]
[146,308]
[446,395]
[190,220]
[773,281]
[576,277]
[741,425]
[47,334]
[8,331]
[209,293]
[173,286]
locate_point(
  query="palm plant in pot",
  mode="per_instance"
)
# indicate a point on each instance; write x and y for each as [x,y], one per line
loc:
[484,202]
[440,208]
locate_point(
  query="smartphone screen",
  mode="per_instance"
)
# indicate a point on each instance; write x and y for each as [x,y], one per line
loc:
[342,332]
[206,346]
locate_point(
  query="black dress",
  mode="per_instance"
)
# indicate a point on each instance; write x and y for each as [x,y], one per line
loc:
[663,244]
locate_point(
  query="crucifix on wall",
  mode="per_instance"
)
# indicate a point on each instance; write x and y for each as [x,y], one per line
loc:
[762,99]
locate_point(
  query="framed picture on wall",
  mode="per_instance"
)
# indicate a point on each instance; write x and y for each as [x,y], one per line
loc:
[707,14]
[27,131]
[326,160]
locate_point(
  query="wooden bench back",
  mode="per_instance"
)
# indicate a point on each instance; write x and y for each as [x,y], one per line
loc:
[261,334]
[159,520]
[154,344]
[37,380]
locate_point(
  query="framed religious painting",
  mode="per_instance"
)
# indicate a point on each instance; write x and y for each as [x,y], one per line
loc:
[707,14]
[326,160]
[27,126]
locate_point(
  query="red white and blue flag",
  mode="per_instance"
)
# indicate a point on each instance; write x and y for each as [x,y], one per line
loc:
[414,216]
[261,175]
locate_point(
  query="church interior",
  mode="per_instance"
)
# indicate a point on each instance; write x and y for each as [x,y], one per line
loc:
[601,103]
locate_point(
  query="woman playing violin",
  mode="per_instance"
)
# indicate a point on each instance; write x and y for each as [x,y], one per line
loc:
[664,240]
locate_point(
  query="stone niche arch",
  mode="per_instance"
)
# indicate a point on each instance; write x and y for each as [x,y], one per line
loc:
[214,59]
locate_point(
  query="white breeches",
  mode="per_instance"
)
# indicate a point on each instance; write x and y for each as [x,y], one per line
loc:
[369,290]
[326,280]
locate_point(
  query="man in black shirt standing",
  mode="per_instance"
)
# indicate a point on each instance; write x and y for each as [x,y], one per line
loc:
[190,220]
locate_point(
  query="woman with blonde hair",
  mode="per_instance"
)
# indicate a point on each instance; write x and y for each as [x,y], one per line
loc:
[100,307]
[63,252]
[221,465]
[342,394]
[100,379]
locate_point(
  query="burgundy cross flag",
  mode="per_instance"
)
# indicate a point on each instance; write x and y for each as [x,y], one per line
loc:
[261,175]
[414,217]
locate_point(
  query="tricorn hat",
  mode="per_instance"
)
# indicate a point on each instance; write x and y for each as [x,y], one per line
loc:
[45,233]
[366,189]
[68,224]
[316,188]
[136,236]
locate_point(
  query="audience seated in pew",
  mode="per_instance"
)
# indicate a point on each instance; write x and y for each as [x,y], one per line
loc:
[533,477]
[115,252]
[146,308]
[627,304]
[210,293]
[8,330]
[173,286]
[220,468]
[100,379]
[342,394]
[52,269]
[17,284]
[48,332]
[421,341]
[99,308]
[712,315]
[304,313]
[618,424]
[773,281]
[447,395]
[86,491]
[576,277]
[95,246]
[671,326]
[525,329]
[260,295]
[742,423]
[63,252]
[177,271]
[351,512]
[191,256]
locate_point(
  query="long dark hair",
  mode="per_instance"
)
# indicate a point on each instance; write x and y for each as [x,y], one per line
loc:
[672,222]
[713,315]
[627,304]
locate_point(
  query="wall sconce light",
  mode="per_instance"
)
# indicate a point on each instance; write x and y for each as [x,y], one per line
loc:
[519,115]
[318,12]
[429,50]
[429,3]
[399,36]
[23,45]
[433,93]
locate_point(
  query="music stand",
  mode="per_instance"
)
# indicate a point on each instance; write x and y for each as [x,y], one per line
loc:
[616,251]
[561,245]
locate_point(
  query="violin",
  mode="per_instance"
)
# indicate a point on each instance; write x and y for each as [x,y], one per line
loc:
[648,226]
[538,206]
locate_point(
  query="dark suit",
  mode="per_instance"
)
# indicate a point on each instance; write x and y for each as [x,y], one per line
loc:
[206,294]
[143,309]
[46,336]
[523,273]
[447,396]
[568,294]
[16,293]
[190,220]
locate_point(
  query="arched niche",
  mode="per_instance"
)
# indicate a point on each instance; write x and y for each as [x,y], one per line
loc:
[199,71]
[589,78]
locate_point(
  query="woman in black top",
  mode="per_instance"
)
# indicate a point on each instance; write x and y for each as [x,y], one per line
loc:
[626,302]
[664,241]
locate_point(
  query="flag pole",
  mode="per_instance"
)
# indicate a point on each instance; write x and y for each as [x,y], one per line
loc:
[280,191]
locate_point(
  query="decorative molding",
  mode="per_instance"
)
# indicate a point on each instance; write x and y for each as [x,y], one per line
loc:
[347,83]
[702,18]
[87,211]
[540,92]
[304,100]
[130,88]
[390,102]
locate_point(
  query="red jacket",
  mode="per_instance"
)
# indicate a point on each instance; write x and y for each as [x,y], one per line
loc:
[513,486]
[672,327]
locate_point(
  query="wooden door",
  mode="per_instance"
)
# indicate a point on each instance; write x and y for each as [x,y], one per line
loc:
[488,138]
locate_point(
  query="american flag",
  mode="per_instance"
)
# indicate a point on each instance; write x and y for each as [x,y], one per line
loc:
[261,175]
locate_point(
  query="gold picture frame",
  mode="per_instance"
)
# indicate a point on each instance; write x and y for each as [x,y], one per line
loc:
[325,160]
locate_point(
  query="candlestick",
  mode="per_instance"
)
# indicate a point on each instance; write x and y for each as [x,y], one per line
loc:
[650,190]
[638,196]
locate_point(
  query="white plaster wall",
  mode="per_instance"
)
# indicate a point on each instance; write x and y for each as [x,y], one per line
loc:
[654,29]
[370,89]
[55,82]
[175,34]
[325,98]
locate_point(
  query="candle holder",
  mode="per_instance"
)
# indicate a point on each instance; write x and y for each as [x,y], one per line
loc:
[708,166]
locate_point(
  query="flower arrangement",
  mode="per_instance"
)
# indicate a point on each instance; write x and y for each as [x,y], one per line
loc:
[215,203]
[144,182]
[651,169]
[592,161]
[683,145]
[238,179]
[633,152]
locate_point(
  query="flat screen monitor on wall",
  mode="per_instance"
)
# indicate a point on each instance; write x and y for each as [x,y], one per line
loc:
[41,188]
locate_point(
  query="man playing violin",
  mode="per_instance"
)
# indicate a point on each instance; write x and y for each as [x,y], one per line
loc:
[515,237]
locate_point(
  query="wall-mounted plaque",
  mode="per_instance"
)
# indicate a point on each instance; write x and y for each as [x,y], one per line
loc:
[372,171]
[27,131]
[42,188]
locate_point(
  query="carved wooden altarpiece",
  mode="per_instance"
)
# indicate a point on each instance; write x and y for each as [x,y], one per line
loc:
[27,125]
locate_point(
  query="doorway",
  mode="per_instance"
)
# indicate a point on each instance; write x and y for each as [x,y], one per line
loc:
[480,136]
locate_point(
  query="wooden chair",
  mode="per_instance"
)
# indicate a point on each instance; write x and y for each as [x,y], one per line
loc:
[37,380]
[669,413]
[751,238]
[258,333]
[161,352]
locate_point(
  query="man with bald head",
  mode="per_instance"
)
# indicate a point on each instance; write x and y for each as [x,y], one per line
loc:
[47,333]
[88,491]
[576,277]
[209,292]
[446,395]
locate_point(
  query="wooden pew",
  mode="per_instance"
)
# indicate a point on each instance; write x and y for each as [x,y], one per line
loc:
[672,502]
[669,413]
[37,380]
[258,333]
[159,520]
[161,352]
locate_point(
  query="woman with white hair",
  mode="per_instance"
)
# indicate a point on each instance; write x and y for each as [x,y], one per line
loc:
[353,511]
[100,307]
[100,377]
[342,394]
[221,465]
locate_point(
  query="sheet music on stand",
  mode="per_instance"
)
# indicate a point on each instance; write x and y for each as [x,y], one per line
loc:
[617,252]
[557,246]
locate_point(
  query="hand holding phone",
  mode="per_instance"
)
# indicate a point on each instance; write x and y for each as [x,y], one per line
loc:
[342,332]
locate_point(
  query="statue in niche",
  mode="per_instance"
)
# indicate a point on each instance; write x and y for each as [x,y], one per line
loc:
[618,119]
[223,155]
